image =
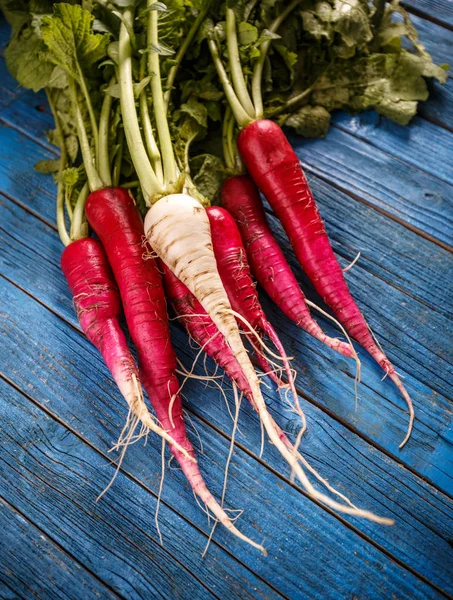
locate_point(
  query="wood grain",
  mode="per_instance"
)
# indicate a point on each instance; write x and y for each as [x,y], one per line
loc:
[383,190]
[337,452]
[35,567]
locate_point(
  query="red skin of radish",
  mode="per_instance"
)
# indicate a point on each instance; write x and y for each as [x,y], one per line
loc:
[98,304]
[275,168]
[235,273]
[202,329]
[268,264]
[113,215]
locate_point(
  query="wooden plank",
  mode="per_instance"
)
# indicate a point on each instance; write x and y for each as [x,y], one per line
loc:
[436,39]
[440,11]
[423,145]
[18,155]
[394,186]
[8,86]
[54,477]
[407,328]
[32,566]
[50,460]
[439,107]
[30,114]
[407,193]
[337,452]
[403,591]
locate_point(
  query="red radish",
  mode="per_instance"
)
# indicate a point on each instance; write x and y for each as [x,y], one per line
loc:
[203,331]
[98,305]
[113,215]
[201,328]
[268,264]
[177,227]
[276,170]
[236,277]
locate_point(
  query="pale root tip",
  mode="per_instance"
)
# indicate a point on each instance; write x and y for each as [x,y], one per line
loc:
[410,407]
[409,428]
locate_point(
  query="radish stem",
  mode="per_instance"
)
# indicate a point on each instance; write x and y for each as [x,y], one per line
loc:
[237,75]
[160,111]
[228,157]
[259,65]
[116,171]
[93,121]
[61,225]
[78,225]
[102,156]
[241,116]
[94,180]
[150,184]
[147,127]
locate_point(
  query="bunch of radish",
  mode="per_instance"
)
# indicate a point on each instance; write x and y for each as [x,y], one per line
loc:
[119,98]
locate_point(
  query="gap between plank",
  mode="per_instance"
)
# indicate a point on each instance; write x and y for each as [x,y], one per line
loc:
[426,16]
[249,453]
[301,393]
[16,595]
[389,215]
[379,209]
[126,473]
[434,121]
[56,544]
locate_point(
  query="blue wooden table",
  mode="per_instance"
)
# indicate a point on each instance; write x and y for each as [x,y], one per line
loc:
[384,190]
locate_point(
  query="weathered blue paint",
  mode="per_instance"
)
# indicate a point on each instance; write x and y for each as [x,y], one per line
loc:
[374,176]
[34,566]
[440,11]
[63,413]
[343,452]
[422,144]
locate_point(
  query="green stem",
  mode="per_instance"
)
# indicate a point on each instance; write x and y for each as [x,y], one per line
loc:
[104,122]
[291,104]
[118,160]
[147,127]
[61,224]
[237,75]
[182,51]
[148,180]
[230,137]
[229,160]
[234,161]
[259,65]
[238,165]
[130,185]
[79,228]
[150,140]
[95,182]
[93,121]
[67,203]
[242,118]
[160,112]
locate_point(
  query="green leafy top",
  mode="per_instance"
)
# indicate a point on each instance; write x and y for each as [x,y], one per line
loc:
[324,55]
[70,42]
